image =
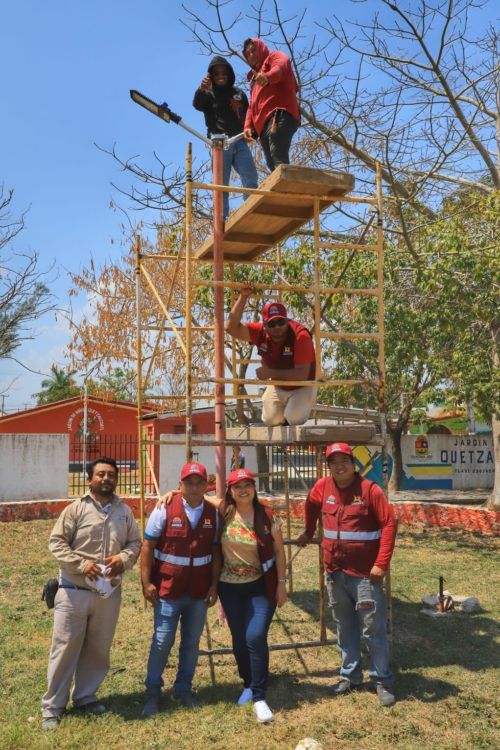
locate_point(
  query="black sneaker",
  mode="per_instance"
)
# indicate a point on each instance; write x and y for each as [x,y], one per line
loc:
[344,686]
[151,705]
[188,700]
[386,696]
[96,708]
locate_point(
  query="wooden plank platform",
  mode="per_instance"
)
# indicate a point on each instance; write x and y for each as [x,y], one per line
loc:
[264,220]
[321,434]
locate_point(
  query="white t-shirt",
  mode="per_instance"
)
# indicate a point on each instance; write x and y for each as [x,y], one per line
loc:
[158,518]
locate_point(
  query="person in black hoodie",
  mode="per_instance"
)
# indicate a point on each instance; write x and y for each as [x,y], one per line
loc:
[225,107]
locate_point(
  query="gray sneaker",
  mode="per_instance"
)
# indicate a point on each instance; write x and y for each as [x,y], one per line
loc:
[344,686]
[188,700]
[386,696]
[151,705]
[50,723]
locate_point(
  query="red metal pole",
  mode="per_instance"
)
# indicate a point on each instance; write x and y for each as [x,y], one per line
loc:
[220,398]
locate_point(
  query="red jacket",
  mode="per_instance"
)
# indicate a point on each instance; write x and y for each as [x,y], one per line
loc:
[183,556]
[359,527]
[295,350]
[280,92]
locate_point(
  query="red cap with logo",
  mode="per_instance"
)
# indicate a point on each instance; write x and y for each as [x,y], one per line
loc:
[338,448]
[238,475]
[193,468]
[273,310]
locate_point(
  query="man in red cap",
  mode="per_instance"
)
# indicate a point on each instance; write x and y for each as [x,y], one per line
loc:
[287,353]
[359,532]
[180,580]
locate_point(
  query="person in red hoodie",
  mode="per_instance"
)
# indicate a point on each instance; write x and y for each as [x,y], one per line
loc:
[273,114]
[359,532]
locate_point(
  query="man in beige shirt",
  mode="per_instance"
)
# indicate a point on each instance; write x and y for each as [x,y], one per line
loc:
[98,530]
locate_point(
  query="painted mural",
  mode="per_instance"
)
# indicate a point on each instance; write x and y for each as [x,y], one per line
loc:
[436,462]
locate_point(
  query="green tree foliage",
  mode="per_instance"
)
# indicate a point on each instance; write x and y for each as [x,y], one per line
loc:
[119,384]
[58,386]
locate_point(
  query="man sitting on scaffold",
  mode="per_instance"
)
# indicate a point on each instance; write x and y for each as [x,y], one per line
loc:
[287,353]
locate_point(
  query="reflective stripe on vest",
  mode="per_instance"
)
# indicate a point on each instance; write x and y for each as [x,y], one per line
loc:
[180,560]
[353,536]
[268,564]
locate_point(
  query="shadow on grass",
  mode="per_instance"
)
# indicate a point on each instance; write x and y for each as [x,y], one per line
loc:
[468,641]
[285,691]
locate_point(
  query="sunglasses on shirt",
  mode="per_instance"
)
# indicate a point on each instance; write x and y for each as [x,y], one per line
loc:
[275,322]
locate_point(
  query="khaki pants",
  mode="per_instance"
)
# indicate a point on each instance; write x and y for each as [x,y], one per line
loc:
[84,626]
[295,406]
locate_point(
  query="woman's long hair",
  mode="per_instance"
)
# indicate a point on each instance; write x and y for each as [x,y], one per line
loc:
[227,509]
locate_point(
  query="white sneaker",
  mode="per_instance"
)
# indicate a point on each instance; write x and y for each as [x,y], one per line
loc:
[245,697]
[264,713]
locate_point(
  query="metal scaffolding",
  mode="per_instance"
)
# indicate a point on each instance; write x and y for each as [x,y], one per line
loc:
[368,427]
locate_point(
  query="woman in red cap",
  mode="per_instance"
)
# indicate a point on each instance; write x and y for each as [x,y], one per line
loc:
[252,583]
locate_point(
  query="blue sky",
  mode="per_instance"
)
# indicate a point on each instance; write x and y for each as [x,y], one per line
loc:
[67,70]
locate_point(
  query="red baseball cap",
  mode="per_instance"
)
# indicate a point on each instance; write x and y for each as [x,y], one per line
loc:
[273,310]
[237,475]
[193,468]
[338,448]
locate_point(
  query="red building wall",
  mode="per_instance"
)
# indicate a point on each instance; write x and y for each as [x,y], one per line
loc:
[107,422]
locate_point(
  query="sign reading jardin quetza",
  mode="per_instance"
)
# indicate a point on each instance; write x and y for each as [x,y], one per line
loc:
[448,461]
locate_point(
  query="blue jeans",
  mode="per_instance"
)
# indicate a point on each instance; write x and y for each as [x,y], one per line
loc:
[360,611]
[167,613]
[239,157]
[249,613]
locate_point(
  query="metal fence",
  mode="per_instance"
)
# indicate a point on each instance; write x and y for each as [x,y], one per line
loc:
[123,448]
[302,472]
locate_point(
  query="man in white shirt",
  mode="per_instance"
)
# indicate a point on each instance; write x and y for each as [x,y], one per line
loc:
[180,564]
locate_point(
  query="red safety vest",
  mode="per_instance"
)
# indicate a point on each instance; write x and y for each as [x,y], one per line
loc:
[351,532]
[284,360]
[183,556]
[263,521]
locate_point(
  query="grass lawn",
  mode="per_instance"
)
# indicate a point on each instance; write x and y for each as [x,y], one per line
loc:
[447,670]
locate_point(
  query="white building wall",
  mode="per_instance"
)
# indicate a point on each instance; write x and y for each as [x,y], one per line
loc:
[33,467]
[173,457]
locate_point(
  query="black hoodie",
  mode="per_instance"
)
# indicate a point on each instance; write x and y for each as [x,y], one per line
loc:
[224,107]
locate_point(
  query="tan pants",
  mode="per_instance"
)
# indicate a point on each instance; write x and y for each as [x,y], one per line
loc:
[295,406]
[84,626]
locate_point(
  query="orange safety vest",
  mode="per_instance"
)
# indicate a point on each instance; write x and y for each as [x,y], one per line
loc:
[183,556]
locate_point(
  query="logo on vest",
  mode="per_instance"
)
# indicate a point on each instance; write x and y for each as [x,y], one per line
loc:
[207,523]
[330,500]
[357,500]
[287,350]
[263,348]
[176,522]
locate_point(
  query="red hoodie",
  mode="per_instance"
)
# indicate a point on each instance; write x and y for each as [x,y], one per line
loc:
[280,92]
